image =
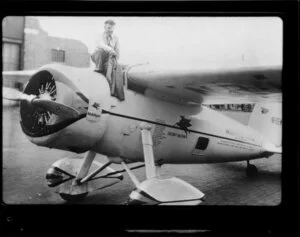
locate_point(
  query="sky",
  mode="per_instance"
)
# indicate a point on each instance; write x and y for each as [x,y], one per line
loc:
[182,41]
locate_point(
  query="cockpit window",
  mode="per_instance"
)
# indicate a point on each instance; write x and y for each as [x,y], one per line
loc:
[202,143]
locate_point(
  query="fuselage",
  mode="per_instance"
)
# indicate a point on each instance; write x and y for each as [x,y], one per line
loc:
[181,133]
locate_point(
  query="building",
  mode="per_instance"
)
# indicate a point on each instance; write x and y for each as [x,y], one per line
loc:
[12,43]
[26,46]
[41,49]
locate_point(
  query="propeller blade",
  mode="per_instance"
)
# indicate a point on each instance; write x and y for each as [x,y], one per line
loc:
[15,95]
[54,107]
[59,109]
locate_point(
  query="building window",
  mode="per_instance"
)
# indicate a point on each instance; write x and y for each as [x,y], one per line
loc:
[11,56]
[58,55]
[202,143]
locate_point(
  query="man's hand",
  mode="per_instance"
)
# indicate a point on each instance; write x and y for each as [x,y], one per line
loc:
[113,52]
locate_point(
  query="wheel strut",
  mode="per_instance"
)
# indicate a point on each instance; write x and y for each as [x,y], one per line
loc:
[251,170]
[86,165]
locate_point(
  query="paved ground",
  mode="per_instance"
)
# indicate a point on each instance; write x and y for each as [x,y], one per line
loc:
[25,165]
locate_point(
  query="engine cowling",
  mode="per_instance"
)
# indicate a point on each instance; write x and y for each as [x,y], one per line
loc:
[73,87]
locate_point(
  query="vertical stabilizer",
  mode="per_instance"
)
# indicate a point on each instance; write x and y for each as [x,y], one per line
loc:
[267,119]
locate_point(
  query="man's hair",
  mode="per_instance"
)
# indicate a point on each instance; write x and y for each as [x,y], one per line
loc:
[110,22]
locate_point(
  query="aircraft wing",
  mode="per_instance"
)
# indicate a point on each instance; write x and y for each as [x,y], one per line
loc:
[234,85]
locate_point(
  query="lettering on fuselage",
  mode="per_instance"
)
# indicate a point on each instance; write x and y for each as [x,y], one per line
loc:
[94,115]
[174,134]
[237,145]
[197,152]
[230,132]
[237,137]
[277,121]
[94,111]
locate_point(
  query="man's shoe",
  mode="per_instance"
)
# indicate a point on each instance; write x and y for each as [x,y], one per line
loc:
[99,71]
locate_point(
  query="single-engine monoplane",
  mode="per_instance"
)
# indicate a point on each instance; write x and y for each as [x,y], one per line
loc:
[162,120]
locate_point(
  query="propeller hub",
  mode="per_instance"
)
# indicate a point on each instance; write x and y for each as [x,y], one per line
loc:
[46,96]
[35,118]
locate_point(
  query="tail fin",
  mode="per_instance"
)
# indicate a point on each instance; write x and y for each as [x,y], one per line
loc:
[267,119]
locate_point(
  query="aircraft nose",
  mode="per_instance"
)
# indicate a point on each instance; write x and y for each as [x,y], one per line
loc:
[63,97]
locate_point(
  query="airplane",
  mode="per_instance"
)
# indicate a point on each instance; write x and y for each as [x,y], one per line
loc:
[162,119]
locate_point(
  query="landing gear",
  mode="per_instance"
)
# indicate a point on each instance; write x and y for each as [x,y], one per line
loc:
[156,189]
[251,170]
[72,178]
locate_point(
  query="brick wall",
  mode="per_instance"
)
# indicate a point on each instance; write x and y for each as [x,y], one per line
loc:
[38,46]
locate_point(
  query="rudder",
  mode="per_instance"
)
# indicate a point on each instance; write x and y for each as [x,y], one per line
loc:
[267,119]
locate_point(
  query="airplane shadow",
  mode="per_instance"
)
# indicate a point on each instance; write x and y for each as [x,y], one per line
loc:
[100,198]
[104,197]
[236,188]
[233,182]
[261,174]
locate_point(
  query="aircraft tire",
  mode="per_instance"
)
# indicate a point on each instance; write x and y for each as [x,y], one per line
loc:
[251,170]
[73,198]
